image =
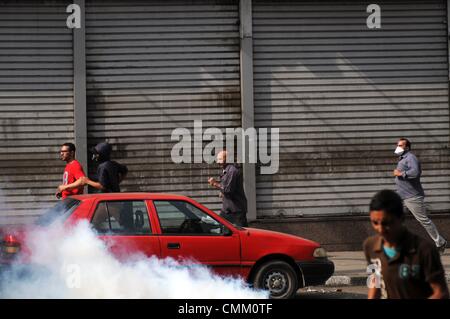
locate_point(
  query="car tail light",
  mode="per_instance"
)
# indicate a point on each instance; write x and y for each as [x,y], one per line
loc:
[10,245]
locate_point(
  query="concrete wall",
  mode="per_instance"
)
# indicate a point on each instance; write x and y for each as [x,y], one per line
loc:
[343,233]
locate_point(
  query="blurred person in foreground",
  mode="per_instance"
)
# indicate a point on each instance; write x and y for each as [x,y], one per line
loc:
[406,265]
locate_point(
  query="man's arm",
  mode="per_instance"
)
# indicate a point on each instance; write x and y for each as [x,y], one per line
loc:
[440,290]
[102,177]
[78,171]
[413,168]
[374,293]
[228,184]
[78,183]
[214,183]
[434,271]
[91,183]
[123,171]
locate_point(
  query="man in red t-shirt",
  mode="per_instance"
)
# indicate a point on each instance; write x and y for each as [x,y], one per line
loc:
[72,182]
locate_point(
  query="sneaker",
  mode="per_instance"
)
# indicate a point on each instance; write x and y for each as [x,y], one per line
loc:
[441,249]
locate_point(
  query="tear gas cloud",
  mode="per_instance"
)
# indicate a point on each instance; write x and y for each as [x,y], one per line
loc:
[2,206]
[74,263]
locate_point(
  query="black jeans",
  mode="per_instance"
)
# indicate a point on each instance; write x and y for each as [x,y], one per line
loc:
[238,219]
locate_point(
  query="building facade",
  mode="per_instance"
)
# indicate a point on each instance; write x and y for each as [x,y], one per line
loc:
[340,83]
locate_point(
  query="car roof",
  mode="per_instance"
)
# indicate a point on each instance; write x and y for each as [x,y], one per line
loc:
[128,196]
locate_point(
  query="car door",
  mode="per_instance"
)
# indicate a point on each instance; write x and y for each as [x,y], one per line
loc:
[126,228]
[189,233]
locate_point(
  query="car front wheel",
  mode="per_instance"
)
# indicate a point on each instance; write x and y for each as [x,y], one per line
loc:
[278,277]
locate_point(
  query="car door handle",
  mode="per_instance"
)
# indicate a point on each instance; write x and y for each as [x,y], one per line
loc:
[173,245]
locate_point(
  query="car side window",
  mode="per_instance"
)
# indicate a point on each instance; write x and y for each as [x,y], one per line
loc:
[121,218]
[182,218]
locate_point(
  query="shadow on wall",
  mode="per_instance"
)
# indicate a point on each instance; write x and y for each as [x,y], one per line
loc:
[328,148]
[139,124]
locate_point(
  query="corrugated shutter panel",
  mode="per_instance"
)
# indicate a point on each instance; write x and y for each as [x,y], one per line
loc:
[36,104]
[343,94]
[156,66]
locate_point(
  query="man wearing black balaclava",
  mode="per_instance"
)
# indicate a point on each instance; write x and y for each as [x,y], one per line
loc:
[109,173]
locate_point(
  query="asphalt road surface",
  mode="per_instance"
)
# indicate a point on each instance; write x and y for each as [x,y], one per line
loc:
[346,292]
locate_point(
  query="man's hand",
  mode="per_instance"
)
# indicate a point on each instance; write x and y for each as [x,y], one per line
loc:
[213,182]
[374,293]
[398,173]
[59,190]
[440,290]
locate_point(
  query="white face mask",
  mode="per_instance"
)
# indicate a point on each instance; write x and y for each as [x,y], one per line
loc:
[399,151]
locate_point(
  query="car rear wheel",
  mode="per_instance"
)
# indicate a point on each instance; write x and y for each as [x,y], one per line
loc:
[278,277]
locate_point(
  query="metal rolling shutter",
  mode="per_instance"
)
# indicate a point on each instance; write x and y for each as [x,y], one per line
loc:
[156,66]
[36,105]
[343,94]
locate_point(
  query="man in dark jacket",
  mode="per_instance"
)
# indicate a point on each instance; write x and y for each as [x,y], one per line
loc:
[109,173]
[231,186]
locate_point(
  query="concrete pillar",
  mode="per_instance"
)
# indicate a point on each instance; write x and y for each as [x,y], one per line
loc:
[247,107]
[79,88]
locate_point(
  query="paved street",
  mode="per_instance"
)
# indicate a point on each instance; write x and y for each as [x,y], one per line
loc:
[322,292]
[350,267]
[343,292]
[348,281]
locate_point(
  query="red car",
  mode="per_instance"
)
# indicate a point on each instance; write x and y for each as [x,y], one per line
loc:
[176,226]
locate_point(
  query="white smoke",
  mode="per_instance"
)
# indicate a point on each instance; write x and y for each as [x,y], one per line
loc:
[2,210]
[6,218]
[74,263]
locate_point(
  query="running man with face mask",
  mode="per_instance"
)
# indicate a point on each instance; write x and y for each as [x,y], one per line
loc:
[407,178]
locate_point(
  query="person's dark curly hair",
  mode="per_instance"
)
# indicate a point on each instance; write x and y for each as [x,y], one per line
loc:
[387,201]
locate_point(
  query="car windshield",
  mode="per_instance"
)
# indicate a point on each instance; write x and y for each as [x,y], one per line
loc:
[60,211]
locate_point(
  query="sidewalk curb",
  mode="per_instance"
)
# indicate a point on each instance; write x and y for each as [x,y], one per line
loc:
[337,281]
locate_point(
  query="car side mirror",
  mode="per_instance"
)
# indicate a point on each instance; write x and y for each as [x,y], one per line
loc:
[227,231]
